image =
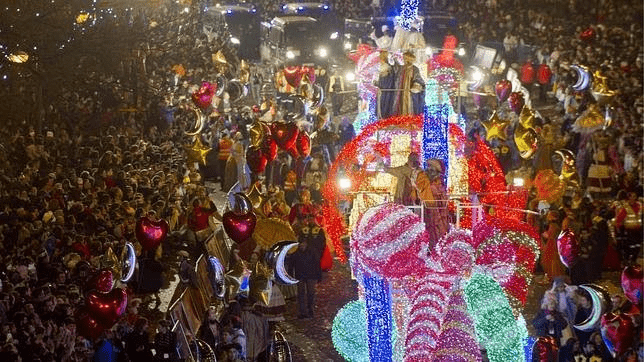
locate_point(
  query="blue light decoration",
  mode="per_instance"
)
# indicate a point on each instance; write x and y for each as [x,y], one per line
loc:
[497,330]
[528,347]
[349,332]
[379,320]
[408,13]
[435,125]
[368,115]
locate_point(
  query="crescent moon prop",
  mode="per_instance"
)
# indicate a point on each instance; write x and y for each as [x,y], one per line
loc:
[276,257]
[568,169]
[279,349]
[199,123]
[217,277]
[222,83]
[583,77]
[298,105]
[128,262]
[601,303]
[236,90]
[318,96]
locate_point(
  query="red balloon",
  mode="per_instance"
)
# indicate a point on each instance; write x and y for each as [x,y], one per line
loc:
[107,308]
[516,102]
[502,89]
[103,281]
[568,246]
[292,75]
[303,143]
[545,349]
[527,73]
[256,159]
[544,73]
[151,233]
[203,97]
[269,147]
[239,227]
[284,134]
[587,35]
[632,283]
[87,326]
[617,331]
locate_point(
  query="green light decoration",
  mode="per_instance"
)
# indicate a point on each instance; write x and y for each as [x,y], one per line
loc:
[497,330]
[349,332]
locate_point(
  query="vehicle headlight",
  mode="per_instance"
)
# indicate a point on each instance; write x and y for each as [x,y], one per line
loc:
[334,35]
[344,183]
[290,54]
[323,52]
[348,45]
[350,76]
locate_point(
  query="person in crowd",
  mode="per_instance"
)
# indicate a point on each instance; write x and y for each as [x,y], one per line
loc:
[306,268]
[410,87]
[210,330]
[548,321]
[165,342]
[346,132]
[234,340]
[137,342]
[304,211]
[584,310]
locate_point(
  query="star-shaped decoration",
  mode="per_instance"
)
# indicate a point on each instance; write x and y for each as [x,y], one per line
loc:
[256,198]
[237,279]
[197,152]
[495,127]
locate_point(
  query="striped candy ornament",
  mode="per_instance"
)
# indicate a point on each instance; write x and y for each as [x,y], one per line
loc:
[429,297]
[457,340]
[387,240]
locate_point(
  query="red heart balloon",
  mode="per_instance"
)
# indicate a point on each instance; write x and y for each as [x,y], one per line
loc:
[568,246]
[292,75]
[502,88]
[239,227]
[103,281]
[303,143]
[268,147]
[256,159]
[107,308]
[284,134]
[516,102]
[617,330]
[87,326]
[203,97]
[545,349]
[151,233]
[632,283]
